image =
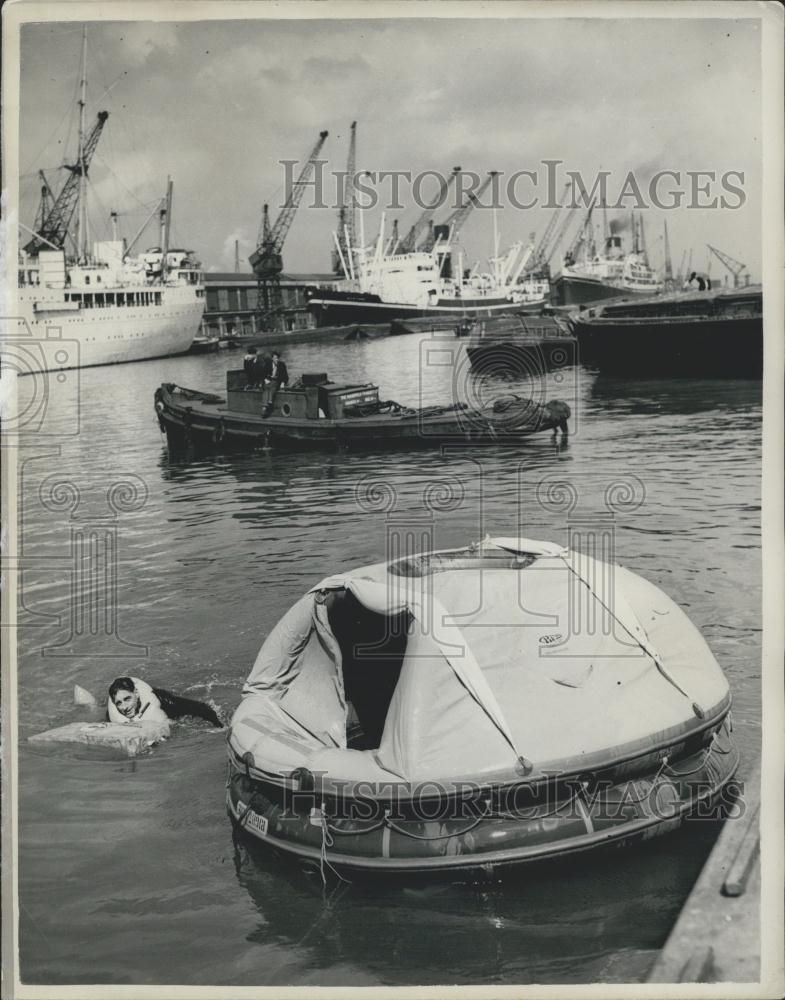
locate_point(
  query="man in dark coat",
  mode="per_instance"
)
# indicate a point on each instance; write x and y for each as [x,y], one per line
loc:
[276,376]
[250,367]
[260,370]
[276,371]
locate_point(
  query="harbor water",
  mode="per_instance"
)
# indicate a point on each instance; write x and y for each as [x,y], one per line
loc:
[128,870]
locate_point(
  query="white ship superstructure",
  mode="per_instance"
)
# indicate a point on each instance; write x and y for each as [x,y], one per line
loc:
[111,308]
[97,304]
[380,284]
[629,271]
[589,274]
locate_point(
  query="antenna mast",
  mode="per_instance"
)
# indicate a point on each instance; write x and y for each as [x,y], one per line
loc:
[81,217]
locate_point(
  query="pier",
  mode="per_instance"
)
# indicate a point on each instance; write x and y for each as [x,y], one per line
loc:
[717,935]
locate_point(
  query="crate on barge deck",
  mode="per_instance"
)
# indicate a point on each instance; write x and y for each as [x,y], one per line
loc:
[311,397]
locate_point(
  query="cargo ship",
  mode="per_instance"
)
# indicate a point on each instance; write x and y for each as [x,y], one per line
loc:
[98,304]
[378,287]
[708,334]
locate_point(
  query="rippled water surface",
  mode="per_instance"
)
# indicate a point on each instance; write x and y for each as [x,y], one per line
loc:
[128,870]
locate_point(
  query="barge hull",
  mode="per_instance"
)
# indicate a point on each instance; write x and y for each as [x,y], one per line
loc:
[720,347]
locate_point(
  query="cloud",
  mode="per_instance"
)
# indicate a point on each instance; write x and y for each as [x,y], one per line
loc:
[218,104]
[247,244]
[141,40]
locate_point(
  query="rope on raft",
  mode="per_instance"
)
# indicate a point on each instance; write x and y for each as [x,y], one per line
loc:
[327,841]
[710,749]
[327,831]
[441,836]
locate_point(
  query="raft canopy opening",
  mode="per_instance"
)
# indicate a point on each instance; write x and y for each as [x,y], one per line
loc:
[456,670]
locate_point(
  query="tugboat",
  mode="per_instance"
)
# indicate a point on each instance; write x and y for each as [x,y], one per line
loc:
[315,412]
[411,717]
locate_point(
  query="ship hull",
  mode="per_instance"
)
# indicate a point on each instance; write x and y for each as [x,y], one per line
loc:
[574,291]
[720,347]
[345,309]
[51,338]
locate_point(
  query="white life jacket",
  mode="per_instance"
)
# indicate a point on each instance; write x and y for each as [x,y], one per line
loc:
[149,706]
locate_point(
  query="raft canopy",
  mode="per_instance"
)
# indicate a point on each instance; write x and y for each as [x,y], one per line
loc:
[511,658]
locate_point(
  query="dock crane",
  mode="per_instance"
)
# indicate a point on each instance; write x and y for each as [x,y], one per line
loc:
[454,222]
[583,238]
[446,233]
[560,234]
[266,259]
[539,259]
[45,204]
[347,210]
[430,239]
[420,229]
[54,228]
[736,268]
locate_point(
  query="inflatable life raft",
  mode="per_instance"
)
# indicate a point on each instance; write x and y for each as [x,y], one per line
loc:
[472,708]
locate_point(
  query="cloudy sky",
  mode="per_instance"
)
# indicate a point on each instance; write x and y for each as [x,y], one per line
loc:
[217,104]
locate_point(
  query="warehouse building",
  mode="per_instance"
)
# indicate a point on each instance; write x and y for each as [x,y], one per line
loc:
[231,302]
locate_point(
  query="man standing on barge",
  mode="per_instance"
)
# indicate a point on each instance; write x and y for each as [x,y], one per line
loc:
[275,377]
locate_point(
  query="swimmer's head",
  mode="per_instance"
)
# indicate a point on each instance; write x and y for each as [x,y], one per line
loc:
[124,696]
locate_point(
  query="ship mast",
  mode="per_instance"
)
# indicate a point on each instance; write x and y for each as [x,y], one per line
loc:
[81,217]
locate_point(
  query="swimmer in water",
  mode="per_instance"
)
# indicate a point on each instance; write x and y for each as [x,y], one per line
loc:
[134,700]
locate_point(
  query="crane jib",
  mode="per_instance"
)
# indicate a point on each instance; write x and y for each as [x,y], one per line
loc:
[55,226]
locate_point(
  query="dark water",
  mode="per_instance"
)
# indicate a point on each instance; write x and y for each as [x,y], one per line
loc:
[128,870]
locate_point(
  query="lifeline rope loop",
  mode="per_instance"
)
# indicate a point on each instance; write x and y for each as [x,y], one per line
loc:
[443,836]
[327,840]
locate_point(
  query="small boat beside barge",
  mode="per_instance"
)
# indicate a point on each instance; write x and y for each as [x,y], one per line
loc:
[411,717]
[204,345]
[708,334]
[315,412]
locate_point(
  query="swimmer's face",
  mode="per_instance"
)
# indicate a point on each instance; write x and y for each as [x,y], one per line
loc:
[127,703]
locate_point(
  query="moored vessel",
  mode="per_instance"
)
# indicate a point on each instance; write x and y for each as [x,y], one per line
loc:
[521,345]
[709,333]
[590,276]
[205,345]
[108,308]
[379,286]
[411,717]
[84,303]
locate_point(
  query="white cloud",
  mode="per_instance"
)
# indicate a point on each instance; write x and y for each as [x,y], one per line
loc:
[218,104]
[140,40]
